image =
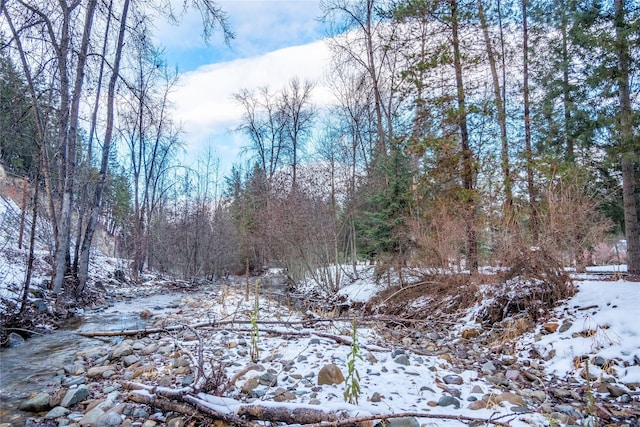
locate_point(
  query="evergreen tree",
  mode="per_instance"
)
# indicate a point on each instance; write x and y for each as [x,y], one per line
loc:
[384,223]
[18,134]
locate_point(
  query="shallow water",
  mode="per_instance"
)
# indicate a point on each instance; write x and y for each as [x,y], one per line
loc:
[36,365]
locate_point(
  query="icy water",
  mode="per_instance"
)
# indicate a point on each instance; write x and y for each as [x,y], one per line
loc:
[34,366]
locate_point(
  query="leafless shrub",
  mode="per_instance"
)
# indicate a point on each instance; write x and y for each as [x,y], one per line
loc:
[570,223]
[439,236]
[534,284]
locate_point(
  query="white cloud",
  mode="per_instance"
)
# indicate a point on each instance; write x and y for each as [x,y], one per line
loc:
[203,101]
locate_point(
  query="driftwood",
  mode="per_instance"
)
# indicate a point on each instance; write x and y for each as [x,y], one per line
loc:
[308,417]
[302,415]
[365,419]
[187,408]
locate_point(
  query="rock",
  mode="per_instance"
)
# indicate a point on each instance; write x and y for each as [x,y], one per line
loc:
[330,374]
[75,396]
[121,350]
[396,352]
[131,359]
[109,419]
[91,417]
[41,306]
[512,398]
[375,397]
[449,401]
[489,368]
[402,359]
[452,379]
[268,379]
[146,314]
[566,325]
[56,412]
[478,404]
[512,374]
[15,340]
[180,362]
[98,371]
[93,353]
[497,380]
[283,395]
[476,389]
[38,403]
[550,327]
[615,391]
[175,422]
[402,422]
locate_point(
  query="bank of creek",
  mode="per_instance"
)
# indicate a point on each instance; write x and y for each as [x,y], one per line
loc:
[192,355]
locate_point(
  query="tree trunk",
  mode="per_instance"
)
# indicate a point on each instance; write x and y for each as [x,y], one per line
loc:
[527,127]
[467,155]
[83,265]
[629,196]
[502,119]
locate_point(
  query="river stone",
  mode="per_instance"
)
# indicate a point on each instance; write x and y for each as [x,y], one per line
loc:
[75,396]
[478,404]
[283,395]
[38,403]
[489,368]
[250,384]
[150,349]
[121,350]
[402,422]
[91,417]
[98,371]
[56,412]
[180,362]
[93,353]
[75,380]
[110,418]
[615,391]
[330,374]
[130,360]
[175,422]
[452,379]
[512,398]
[15,340]
[268,379]
[402,359]
[476,389]
[448,401]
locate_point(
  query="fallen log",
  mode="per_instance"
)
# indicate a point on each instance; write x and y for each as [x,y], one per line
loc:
[364,420]
[285,414]
[289,414]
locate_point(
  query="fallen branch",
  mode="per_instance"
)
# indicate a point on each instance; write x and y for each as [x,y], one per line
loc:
[364,419]
[289,415]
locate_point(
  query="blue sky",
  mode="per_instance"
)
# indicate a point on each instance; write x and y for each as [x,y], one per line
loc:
[275,40]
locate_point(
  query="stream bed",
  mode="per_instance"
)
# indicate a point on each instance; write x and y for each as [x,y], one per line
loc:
[36,365]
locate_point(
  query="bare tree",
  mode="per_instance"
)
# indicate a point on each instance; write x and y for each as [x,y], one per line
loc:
[356,26]
[264,122]
[298,116]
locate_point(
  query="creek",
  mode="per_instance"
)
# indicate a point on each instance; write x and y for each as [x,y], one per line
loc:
[36,365]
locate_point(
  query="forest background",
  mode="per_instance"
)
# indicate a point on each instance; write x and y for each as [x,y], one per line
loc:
[462,134]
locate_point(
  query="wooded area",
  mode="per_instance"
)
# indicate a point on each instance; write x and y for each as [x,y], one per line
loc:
[463,132]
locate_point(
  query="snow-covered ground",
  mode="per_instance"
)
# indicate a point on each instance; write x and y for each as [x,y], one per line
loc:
[600,323]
